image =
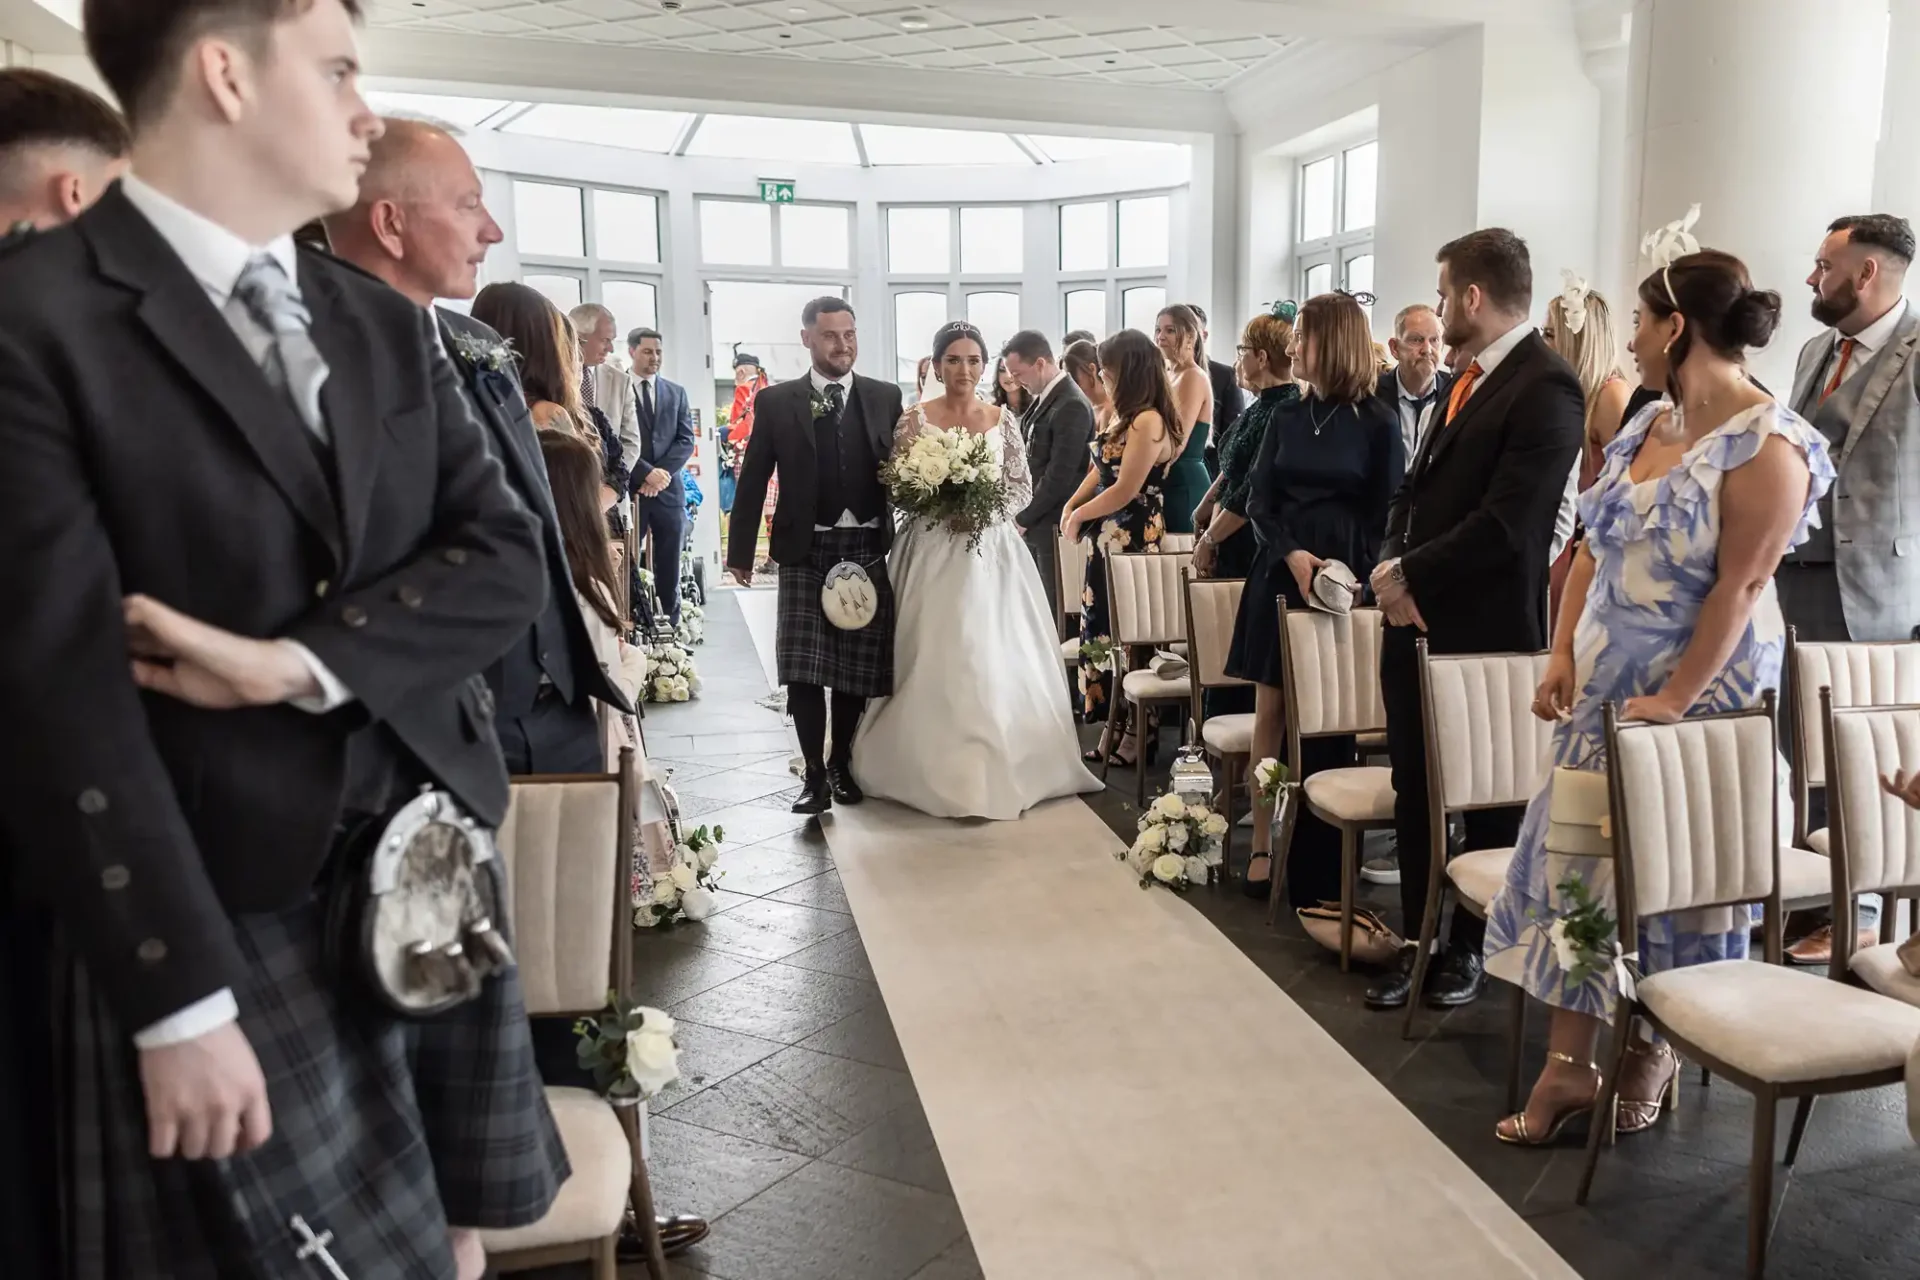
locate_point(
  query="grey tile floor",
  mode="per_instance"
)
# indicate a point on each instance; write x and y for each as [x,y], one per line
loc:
[797,1130]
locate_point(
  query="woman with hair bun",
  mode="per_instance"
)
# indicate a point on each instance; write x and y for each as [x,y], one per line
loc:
[1669,609]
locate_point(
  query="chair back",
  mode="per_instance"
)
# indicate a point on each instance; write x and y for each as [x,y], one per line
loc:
[1878,674]
[1485,747]
[567,844]
[1176,544]
[1070,559]
[1695,813]
[1331,665]
[1144,598]
[1875,837]
[1212,606]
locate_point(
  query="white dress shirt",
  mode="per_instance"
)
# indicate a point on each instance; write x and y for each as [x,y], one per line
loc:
[1053,384]
[847,519]
[1415,412]
[1867,342]
[217,258]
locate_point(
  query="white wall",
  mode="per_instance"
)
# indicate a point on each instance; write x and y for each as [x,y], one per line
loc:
[1430,161]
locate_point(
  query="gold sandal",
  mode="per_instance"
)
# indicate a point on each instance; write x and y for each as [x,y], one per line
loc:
[1635,1115]
[1519,1136]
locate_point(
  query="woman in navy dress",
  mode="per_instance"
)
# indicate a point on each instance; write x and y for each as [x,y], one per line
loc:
[1325,475]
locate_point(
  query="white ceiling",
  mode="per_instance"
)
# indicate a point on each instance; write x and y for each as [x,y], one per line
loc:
[1116,49]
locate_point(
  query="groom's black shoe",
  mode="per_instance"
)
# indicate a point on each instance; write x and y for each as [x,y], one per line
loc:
[815,796]
[845,789]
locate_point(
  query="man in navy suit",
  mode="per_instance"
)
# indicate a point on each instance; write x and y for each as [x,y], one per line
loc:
[666,446]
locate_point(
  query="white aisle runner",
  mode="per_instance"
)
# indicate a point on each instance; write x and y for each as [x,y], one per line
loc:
[1084,1051]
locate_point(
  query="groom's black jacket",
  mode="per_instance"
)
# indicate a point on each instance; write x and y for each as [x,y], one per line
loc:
[784,444]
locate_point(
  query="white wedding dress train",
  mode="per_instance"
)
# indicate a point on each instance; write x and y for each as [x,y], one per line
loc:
[979,724]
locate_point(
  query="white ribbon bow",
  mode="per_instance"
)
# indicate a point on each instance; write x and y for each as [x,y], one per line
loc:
[1673,241]
[1573,301]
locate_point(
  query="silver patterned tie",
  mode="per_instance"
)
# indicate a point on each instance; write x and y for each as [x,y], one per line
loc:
[293,364]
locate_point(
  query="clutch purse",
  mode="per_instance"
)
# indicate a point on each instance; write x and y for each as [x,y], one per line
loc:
[1334,589]
[412,909]
[1579,815]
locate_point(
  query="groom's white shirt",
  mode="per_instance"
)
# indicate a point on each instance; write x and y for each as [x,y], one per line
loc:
[1046,393]
[847,519]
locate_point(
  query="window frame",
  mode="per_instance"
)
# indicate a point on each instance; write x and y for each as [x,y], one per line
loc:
[955,283]
[1341,247]
[1113,279]
[777,267]
[592,270]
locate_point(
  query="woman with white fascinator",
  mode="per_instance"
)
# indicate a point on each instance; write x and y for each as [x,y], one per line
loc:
[1669,610]
[1580,328]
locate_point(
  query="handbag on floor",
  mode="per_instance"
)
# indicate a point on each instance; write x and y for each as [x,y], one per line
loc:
[1373,941]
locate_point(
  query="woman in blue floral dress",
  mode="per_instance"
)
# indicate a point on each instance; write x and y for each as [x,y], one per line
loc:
[1669,610]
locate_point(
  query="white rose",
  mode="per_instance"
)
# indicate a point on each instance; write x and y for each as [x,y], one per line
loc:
[1140,860]
[1215,825]
[663,689]
[1177,837]
[1170,806]
[665,893]
[652,1059]
[708,856]
[699,902]
[1266,773]
[1168,868]
[684,877]
[1152,840]
[1197,870]
[1563,949]
[935,471]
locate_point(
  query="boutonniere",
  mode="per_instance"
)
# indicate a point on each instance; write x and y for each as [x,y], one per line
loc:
[483,356]
[820,406]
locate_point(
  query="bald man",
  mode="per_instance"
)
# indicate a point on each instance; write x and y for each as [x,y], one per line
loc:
[61,146]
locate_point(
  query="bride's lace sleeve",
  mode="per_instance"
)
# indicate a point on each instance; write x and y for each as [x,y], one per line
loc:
[906,429]
[1013,464]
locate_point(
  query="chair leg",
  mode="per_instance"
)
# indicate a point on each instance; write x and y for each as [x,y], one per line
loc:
[1116,715]
[640,1195]
[1140,722]
[1230,773]
[1706,1076]
[1760,1182]
[1802,1112]
[1348,857]
[1429,930]
[1604,1106]
[1282,837]
[605,1258]
[1517,1040]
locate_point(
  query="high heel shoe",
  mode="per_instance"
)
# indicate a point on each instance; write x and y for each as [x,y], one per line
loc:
[1262,888]
[1518,1135]
[1127,761]
[1636,1115]
[1102,752]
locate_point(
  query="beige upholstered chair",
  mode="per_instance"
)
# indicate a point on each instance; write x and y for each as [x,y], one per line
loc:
[1696,826]
[568,846]
[1212,606]
[1070,561]
[1176,544]
[1485,750]
[1331,666]
[1860,675]
[1876,837]
[1146,611]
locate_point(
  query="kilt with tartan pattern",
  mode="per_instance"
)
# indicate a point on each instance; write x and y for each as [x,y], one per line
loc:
[810,650]
[356,1150]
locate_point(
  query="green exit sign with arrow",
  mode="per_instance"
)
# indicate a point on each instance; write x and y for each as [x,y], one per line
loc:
[776,190]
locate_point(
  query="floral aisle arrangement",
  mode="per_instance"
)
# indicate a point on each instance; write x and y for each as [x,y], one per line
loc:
[692,628]
[630,1049]
[684,891]
[670,673]
[948,476]
[1179,844]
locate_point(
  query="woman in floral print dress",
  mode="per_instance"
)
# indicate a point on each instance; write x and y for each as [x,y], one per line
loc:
[1119,505]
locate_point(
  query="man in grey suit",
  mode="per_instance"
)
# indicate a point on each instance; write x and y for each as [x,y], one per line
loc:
[1059,427]
[1858,576]
[667,444]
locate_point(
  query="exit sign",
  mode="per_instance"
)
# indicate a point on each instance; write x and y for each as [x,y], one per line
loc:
[776,190]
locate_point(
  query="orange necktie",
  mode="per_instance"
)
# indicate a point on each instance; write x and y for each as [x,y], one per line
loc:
[1839,370]
[1462,389]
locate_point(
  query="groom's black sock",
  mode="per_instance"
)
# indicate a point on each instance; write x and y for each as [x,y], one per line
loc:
[807,704]
[847,710]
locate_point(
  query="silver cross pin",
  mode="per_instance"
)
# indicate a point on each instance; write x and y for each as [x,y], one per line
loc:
[315,1246]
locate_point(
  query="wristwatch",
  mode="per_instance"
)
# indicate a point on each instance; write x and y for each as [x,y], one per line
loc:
[1396,575]
[1205,539]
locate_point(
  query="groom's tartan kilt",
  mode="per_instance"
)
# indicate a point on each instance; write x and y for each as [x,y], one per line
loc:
[382,1130]
[810,650]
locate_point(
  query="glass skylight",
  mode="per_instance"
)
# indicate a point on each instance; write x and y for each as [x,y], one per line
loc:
[774,138]
[903,144]
[1060,149]
[625,127]
[467,113]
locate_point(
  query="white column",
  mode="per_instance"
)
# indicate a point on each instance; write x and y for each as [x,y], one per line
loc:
[1896,176]
[1613,237]
[1728,116]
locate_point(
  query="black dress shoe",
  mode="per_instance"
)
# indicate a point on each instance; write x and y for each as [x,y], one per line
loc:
[677,1235]
[815,795]
[1460,979]
[1392,989]
[845,789]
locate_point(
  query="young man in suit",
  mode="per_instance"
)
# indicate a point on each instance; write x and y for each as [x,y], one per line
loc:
[1059,426]
[666,446]
[1465,564]
[421,225]
[246,696]
[61,147]
[825,435]
[1228,402]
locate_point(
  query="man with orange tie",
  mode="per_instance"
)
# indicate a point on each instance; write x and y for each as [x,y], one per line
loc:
[1858,576]
[1469,543]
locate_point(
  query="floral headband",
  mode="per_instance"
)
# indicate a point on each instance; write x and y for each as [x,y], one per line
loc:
[1573,301]
[1669,244]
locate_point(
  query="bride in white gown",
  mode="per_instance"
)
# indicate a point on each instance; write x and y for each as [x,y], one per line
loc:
[979,724]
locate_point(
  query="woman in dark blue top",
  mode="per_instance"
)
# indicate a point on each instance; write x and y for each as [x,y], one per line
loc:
[1325,475]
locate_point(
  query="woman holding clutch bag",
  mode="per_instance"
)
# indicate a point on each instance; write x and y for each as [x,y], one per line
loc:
[1670,610]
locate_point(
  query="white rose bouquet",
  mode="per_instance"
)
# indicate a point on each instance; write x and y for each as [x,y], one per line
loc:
[670,673]
[692,628]
[630,1049]
[684,891]
[948,476]
[1179,844]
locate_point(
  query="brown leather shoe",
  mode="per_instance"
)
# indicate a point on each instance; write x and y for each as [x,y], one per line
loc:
[678,1234]
[1816,949]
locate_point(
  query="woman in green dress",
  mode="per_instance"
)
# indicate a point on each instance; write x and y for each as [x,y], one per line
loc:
[1177,333]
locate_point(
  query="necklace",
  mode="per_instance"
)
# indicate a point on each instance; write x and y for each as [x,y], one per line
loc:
[1319,422]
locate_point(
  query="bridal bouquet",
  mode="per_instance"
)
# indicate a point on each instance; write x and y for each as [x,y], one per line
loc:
[685,890]
[950,477]
[670,673]
[1178,846]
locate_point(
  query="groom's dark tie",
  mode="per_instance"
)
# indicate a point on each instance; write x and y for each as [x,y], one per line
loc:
[836,400]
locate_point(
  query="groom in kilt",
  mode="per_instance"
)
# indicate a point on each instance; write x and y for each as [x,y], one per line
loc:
[825,436]
[260,570]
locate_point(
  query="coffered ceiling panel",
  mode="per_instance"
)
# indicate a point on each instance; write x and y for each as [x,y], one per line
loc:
[885,32]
